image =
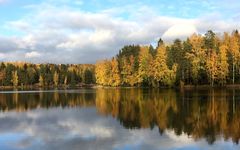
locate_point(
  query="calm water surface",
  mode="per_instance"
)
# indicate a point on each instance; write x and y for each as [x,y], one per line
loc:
[120,119]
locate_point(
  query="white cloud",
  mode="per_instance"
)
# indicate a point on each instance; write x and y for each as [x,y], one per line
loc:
[19,25]
[101,36]
[78,36]
[32,54]
[179,31]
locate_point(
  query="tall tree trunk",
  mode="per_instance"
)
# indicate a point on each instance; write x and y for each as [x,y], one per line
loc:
[183,76]
[233,78]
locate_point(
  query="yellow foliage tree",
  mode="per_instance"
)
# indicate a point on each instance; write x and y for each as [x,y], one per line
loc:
[41,81]
[212,67]
[145,59]
[196,56]
[160,71]
[115,79]
[55,78]
[2,76]
[129,77]
[234,51]
[65,81]
[222,64]
[102,71]
[15,78]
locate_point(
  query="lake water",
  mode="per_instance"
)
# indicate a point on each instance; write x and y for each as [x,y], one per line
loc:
[120,119]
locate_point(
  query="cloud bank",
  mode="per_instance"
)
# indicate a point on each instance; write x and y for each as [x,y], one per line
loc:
[56,32]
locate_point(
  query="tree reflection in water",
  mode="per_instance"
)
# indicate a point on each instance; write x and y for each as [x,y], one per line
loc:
[204,113]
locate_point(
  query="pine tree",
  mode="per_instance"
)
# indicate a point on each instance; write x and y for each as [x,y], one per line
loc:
[87,76]
[176,55]
[31,73]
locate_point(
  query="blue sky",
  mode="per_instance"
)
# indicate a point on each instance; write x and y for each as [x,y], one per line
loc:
[83,31]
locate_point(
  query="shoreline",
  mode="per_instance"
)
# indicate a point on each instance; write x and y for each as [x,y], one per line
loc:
[95,86]
[47,87]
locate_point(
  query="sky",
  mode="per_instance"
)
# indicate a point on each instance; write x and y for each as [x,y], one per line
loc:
[84,31]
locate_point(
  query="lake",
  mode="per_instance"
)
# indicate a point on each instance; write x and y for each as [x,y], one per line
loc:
[120,119]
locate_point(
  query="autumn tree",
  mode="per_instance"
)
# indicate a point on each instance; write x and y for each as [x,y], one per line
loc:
[116,80]
[145,59]
[222,64]
[2,73]
[212,67]
[56,79]
[15,78]
[65,81]
[128,59]
[41,81]
[160,71]
[128,72]
[103,76]
[100,72]
[196,57]
[234,52]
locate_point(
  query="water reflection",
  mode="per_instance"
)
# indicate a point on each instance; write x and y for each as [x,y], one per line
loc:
[186,118]
[202,113]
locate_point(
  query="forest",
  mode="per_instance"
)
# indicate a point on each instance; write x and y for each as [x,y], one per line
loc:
[210,59]
[44,75]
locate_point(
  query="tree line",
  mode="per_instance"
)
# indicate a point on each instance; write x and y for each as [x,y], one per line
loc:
[212,59]
[27,74]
